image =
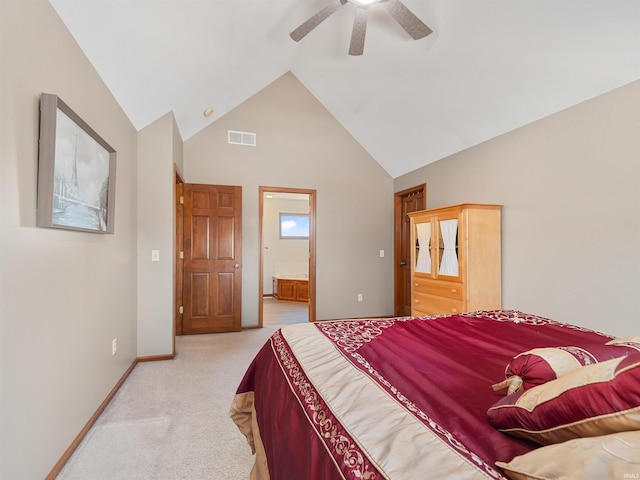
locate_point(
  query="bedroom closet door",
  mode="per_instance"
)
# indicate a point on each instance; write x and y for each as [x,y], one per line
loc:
[406,201]
[212,296]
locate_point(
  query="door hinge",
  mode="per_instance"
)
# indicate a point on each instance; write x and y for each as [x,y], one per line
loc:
[181,310]
[181,200]
[181,255]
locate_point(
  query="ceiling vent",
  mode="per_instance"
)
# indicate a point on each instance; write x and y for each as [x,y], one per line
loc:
[242,138]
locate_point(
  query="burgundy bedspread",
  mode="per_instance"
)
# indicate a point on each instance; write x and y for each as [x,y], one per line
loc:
[398,398]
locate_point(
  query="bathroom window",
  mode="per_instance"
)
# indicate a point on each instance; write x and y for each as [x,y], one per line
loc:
[294,225]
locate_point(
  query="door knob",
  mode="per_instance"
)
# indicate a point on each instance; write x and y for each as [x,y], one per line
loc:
[236,266]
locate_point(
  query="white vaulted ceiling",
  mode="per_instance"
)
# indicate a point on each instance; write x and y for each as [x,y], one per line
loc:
[489,67]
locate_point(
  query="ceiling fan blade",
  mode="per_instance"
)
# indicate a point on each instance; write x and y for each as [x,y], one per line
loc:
[407,20]
[300,32]
[359,30]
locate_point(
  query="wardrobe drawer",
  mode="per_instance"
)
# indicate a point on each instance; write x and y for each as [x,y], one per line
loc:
[420,313]
[435,305]
[445,289]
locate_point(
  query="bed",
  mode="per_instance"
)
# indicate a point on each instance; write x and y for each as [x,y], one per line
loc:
[391,398]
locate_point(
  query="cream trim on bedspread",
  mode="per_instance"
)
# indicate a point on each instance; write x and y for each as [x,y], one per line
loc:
[397,442]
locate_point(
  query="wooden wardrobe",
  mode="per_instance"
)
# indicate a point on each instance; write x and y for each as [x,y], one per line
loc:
[456,259]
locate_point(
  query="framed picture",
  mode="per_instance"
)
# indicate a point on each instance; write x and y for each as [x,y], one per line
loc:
[76,172]
[294,225]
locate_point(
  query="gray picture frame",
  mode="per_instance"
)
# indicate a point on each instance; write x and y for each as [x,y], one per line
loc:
[76,172]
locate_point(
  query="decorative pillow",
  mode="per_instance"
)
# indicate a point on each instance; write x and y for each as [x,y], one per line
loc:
[540,365]
[631,342]
[608,456]
[592,400]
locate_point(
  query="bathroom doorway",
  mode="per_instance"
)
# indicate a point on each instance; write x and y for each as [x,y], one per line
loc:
[287,273]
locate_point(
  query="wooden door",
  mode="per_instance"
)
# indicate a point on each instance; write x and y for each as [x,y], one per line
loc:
[407,201]
[212,259]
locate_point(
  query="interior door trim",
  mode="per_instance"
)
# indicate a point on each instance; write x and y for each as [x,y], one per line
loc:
[312,247]
[178,263]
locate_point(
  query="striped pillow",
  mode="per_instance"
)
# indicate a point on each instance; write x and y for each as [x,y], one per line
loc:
[540,365]
[592,400]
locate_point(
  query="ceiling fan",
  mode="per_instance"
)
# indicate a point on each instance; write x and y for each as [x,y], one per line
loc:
[407,20]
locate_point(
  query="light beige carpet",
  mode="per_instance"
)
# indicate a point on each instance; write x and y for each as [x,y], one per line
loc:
[169,420]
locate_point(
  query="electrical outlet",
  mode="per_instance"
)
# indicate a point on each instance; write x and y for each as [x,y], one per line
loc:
[381,253]
[114,346]
[359,297]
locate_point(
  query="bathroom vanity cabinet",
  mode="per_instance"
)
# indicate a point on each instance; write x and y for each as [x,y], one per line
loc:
[292,289]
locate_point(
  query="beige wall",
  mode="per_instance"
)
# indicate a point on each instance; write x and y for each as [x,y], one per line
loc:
[159,148]
[63,295]
[300,145]
[570,186]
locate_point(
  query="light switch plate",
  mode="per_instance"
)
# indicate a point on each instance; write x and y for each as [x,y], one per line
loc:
[155,255]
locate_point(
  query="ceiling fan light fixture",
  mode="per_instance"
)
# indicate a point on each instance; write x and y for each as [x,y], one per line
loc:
[415,27]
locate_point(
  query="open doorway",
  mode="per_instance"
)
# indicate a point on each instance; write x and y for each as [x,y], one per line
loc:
[287,273]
